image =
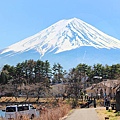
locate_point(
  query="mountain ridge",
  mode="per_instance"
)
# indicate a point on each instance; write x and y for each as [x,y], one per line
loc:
[65,35]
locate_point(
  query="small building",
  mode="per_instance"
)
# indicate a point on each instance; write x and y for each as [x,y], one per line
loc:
[104,88]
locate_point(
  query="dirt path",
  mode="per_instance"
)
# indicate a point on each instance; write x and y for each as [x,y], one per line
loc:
[83,114]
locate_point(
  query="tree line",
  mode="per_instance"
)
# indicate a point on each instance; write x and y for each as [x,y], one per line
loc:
[38,76]
[31,71]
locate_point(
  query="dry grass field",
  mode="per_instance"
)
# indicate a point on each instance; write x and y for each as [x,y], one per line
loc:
[21,99]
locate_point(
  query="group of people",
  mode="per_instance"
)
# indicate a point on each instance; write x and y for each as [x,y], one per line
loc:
[106,102]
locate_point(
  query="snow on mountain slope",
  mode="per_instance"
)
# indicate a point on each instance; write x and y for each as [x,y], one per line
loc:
[63,36]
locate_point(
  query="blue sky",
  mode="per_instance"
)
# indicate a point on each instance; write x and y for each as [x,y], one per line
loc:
[20,19]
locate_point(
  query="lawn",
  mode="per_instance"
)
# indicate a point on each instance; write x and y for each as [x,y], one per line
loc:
[102,113]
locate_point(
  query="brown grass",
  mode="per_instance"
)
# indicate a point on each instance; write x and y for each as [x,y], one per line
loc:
[20,99]
[102,113]
[55,113]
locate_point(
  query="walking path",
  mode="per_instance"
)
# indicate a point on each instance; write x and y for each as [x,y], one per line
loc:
[83,114]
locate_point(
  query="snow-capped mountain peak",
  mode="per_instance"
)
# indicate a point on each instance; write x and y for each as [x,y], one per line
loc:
[63,36]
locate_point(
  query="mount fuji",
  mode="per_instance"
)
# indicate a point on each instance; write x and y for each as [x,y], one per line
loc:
[68,42]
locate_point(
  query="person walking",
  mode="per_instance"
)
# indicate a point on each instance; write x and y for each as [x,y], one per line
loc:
[105,101]
[94,102]
[108,100]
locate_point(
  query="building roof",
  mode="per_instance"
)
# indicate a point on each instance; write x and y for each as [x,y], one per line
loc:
[105,84]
